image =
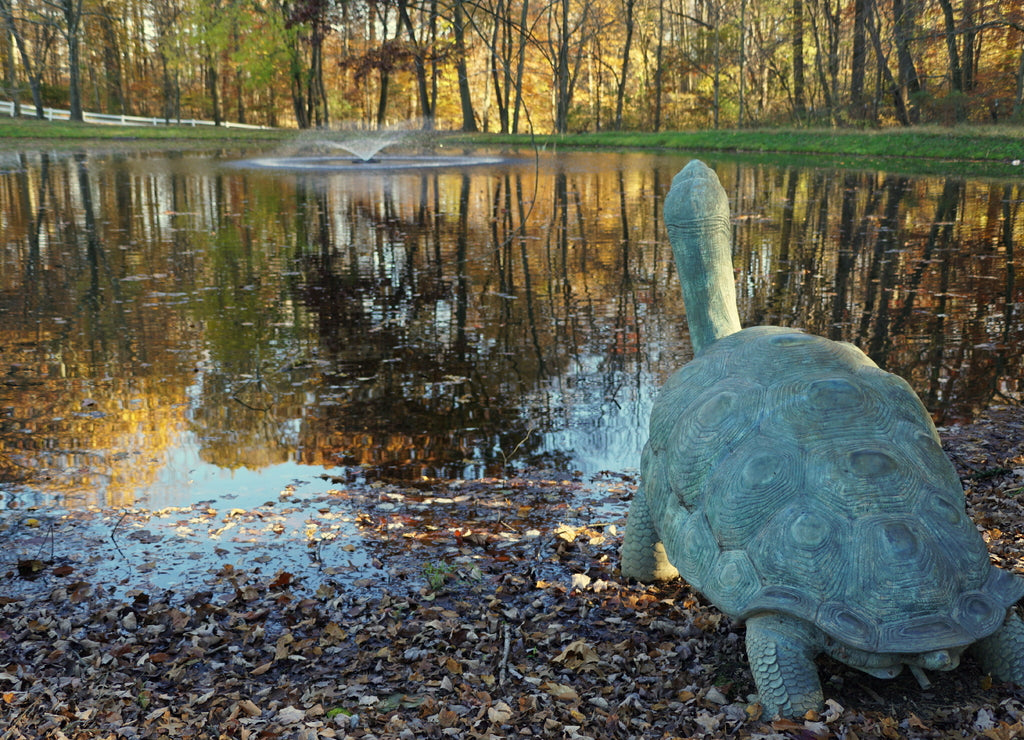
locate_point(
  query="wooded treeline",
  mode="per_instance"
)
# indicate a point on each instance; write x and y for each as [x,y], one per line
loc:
[531,65]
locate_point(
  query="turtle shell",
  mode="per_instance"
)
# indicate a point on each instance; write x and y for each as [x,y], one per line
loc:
[789,473]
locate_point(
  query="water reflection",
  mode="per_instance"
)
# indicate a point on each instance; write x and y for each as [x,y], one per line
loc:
[168,321]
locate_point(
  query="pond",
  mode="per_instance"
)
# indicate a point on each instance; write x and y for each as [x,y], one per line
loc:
[176,327]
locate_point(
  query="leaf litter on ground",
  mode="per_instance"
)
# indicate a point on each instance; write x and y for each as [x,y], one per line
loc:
[463,609]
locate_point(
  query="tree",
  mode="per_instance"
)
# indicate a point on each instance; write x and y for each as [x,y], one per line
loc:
[34,61]
[826,61]
[956,81]
[799,101]
[71,11]
[465,97]
[419,52]
[564,52]
[506,41]
[899,103]
[306,25]
[909,82]
[164,17]
[620,91]
[859,59]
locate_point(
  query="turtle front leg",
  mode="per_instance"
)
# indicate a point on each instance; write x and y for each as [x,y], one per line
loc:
[1002,653]
[781,651]
[643,554]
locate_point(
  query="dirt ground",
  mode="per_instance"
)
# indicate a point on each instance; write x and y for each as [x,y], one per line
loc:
[462,609]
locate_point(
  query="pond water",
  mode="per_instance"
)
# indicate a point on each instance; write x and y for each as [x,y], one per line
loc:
[176,327]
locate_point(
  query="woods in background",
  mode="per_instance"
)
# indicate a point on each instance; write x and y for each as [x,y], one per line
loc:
[514,67]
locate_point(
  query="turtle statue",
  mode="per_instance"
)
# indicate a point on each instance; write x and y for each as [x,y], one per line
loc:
[804,492]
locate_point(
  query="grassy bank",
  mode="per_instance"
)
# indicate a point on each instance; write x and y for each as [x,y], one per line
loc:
[968,150]
[16,132]
[977,143]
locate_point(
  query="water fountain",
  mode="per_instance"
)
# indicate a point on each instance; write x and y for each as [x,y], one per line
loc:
[363,147]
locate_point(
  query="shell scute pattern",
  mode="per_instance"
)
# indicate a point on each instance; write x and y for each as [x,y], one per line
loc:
[751,481]
[902,569]
[851,625]
[733,578]
[793,497]
[694,550]
[798,547]
[707,428]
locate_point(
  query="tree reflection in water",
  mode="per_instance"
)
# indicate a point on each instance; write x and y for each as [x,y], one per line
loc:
[160,313]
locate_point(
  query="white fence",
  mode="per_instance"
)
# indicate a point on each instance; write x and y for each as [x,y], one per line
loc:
[55,114]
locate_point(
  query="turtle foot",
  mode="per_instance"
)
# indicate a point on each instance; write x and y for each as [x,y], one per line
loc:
[781,650]
[643,554]
[1002,653]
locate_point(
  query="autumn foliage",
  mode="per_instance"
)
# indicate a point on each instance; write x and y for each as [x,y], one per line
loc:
[566,65]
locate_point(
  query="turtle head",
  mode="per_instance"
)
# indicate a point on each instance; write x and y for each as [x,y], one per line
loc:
[938,660]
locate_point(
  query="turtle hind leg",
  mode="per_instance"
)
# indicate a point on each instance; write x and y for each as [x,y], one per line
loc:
[643,554]
[781,651]
[1002,653]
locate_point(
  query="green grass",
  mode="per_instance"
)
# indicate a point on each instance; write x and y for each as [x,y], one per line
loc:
[15,132]
[966,150]
[960,143]
[969,150]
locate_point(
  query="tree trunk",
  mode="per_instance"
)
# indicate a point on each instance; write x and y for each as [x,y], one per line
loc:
[26,60]
[520,65]
[465,98]
[859,60]
[240,111]
[212,79]
[499,70]
[168,89]
[658,71]
[318,91]
[909,82]
[420,65]
[717,77]
[298,88]
[382,98]
[620,94]
[883,68]
[743,62]
[969,62]
[432,44]
[826,64]
[955,69]
[1018,98]
[799,101]
[72,11]
[114,78]
[562,72]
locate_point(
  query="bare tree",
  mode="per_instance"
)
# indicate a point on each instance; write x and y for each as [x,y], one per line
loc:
[32,61]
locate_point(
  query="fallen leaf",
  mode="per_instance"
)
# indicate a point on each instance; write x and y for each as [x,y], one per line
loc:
[447,718]
[281,651]
[579,656]
[290,715]
[500,713]
[1005,731]
[580,581]
[560,691]
[282,580]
